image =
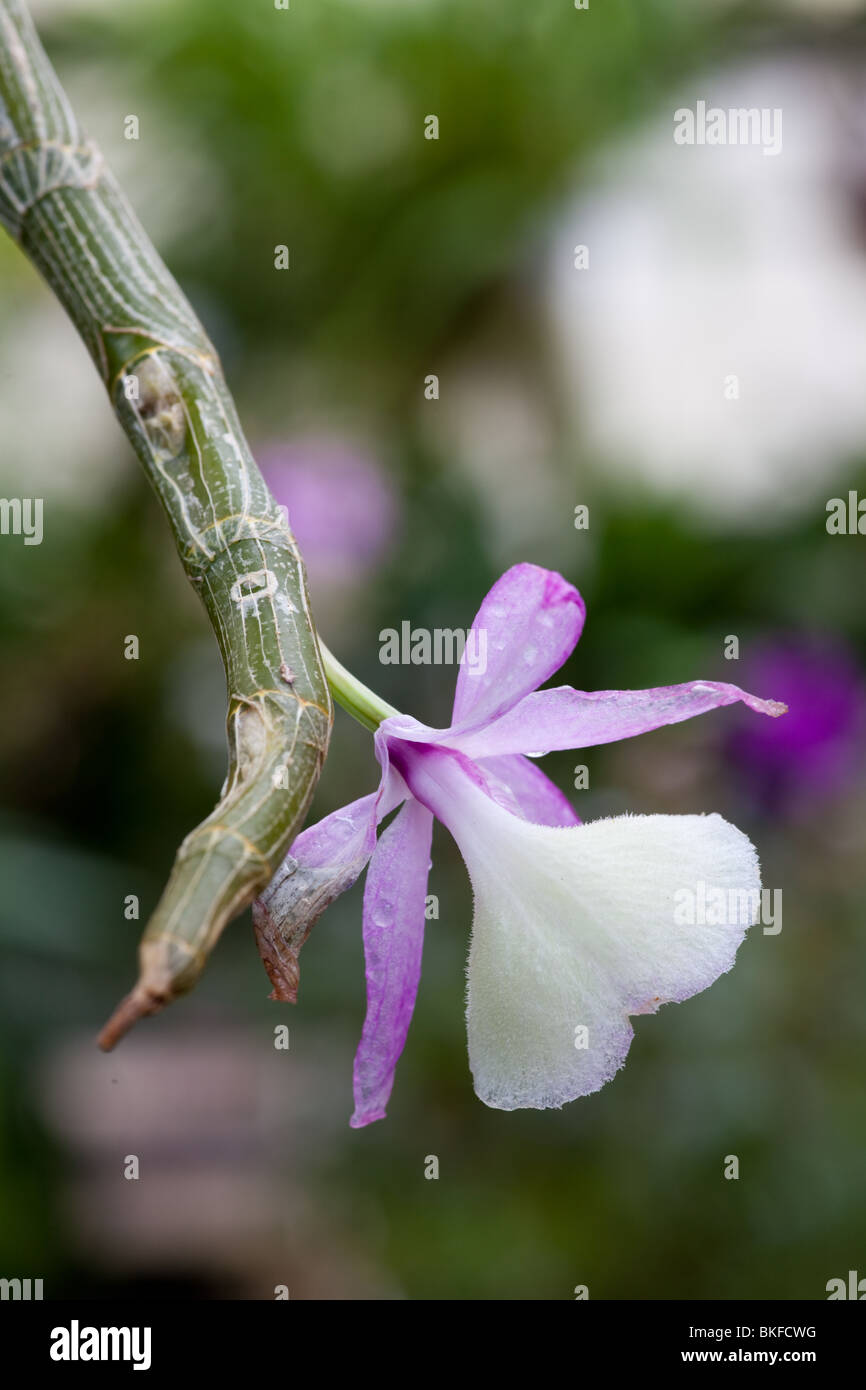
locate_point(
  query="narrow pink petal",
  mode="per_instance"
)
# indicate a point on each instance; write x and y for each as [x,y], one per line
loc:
[534,797]
[350,832]
[336,849]
[524,630]
[566,718]
[394,902]
[345,835]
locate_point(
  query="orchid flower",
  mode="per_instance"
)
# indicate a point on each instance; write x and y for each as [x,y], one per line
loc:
[574,925]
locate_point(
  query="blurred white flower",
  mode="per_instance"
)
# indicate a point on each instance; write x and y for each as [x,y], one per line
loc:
[715,348]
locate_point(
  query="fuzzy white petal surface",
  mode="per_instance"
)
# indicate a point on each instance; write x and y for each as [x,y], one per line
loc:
[577,928]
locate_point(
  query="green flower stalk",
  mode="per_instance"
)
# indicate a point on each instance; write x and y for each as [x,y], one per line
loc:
[357,699]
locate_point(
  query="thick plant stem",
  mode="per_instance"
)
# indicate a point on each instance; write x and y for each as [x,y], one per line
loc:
[66,210]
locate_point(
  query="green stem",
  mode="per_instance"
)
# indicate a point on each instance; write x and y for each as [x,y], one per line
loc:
[356,698]
[69,215]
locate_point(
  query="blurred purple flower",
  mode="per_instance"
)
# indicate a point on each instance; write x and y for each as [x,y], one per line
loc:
[342,507]
[815,753]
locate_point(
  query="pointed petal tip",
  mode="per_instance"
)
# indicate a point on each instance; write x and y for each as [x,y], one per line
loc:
[361,1118]
[765,706]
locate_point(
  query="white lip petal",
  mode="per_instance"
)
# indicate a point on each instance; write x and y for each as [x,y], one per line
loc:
[576,928]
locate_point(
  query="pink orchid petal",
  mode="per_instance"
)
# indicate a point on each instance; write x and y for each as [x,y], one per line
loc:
[566,718]
[511,781]
[350,832]
[343,836]
[337,848]
[526,627]
[535,798]
[394,902]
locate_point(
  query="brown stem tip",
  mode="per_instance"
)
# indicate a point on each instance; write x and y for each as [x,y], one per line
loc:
[139,1004]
